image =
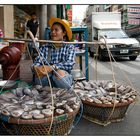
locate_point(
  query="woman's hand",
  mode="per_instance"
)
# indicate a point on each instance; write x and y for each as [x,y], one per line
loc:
[61,73]
[42,70]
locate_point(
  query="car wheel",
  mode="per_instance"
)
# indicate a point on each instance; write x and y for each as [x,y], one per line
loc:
[102,58]
[91,54]
[132,58]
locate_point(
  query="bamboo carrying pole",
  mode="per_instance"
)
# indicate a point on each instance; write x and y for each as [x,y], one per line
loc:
[61,42]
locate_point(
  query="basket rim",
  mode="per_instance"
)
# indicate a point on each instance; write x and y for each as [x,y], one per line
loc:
[62,117]
[108,105]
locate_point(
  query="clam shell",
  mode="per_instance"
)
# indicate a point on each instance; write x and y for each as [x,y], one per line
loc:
[105,101]
[87,95]
[29,102]
[89,99]
[27,91]
[50,107]
[108,103]
[127,90]
[75,106]
[130,99]
[28,107]
[83,98]
[38,103]
[88,87]
[104,92]
[126,96]
[115,101]
[58,104]
[5,112]
[60,92]
[6,104]
[19,92]
[109,98]
[93,85]
[59,111]
[39,116]
[112,93]
[39,106]
[47,112]
[102,98]
[99,92]
[17,113]
[121,89]
[64,102]
[46,88]
[68,108]
[15,101]
[124,101]
[97,101]
[35,92]
[85,83]
[133,97]
[12,107]
[26,116]
[38,87]
[34,112]
[80,85]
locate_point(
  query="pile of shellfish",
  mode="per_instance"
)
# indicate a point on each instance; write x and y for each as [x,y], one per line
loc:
[105,92]
[36,103]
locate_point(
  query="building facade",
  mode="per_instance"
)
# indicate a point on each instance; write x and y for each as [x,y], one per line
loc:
[130,16]
[14,17]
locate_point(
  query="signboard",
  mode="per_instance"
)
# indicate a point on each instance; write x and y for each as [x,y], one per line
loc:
[69,12]
[134,5]
[69,16]
[134,21]
[133,10]
[133,15]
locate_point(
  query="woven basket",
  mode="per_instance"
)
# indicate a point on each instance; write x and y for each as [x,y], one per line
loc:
[61,125]
[104,114]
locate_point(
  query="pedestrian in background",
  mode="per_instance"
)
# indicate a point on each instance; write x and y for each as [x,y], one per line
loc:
[61,57]
[33,26]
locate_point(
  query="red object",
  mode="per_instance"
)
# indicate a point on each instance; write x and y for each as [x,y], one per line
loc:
[9,59]
[19,44]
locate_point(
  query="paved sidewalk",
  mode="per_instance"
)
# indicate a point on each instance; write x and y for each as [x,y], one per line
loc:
[130,126]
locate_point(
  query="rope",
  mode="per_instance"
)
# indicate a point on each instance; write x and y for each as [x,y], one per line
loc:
[81,105]
[33,39]
[128,82]
[111,56]
[113,78]
[95,57]
[80,115]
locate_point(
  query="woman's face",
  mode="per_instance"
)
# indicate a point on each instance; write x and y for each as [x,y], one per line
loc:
[57,33]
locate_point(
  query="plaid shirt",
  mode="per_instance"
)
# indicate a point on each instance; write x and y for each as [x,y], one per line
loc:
[63,58]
